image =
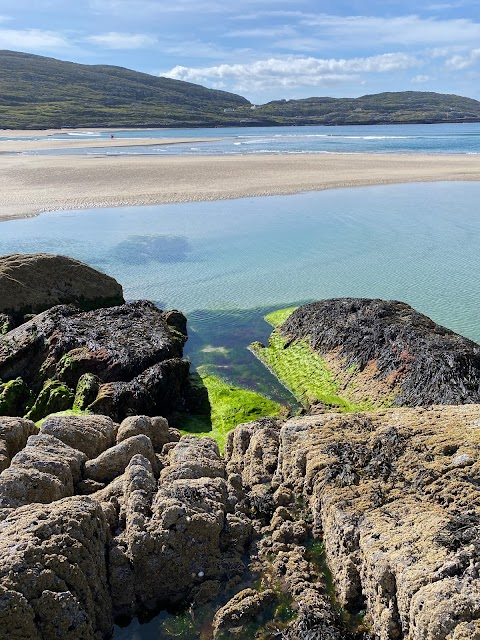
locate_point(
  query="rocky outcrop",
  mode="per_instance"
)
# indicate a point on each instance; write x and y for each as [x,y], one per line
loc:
[53,577]
[31,283]
[375,512]
[394,497]
[118,361]
[165,542]
[388,350]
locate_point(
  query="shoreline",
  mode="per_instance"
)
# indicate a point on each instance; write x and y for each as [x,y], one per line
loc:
[36,184]
[8,147]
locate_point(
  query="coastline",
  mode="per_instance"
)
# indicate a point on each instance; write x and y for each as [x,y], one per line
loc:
[35,184]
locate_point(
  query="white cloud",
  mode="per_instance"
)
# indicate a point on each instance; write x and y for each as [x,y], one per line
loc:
[459,62]
[421,79]
[116,40]
[263,32]
[28,39]
[405,30]
[293,71]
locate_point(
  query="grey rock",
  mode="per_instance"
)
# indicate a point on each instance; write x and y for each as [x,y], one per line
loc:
[114,461]
[90,434]
[31,283]
[14,433]
[156,428]
[53,576]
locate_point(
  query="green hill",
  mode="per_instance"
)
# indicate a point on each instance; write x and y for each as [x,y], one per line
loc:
[380,108]
[38,92]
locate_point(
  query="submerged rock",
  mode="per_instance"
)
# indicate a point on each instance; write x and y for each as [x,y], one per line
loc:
[31,283]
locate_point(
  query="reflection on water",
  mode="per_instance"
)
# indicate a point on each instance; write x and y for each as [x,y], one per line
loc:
[143,249]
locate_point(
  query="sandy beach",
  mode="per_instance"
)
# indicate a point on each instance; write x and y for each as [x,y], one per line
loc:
[33,184]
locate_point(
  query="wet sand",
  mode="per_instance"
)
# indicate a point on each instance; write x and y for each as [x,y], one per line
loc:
[33,184]
[22,146]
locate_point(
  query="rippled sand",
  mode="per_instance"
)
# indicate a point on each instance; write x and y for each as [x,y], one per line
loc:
[33,184]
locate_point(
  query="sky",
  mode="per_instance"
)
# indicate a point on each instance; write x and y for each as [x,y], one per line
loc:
[263,50]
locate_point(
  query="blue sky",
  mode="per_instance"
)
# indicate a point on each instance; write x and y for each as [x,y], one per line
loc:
[266,49]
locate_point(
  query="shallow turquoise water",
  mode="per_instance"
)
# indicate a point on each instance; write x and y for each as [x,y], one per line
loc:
[417,243]
[226,263]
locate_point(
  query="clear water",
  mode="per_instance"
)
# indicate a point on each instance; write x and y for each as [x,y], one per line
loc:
[226,263]
[463,138]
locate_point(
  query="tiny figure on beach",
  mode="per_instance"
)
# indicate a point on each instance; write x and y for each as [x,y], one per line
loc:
[112,136]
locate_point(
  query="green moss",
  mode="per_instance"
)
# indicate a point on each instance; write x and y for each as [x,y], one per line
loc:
[305,373]
[13,396]
[86,391]
[276,318]
[230,406]
[55,396]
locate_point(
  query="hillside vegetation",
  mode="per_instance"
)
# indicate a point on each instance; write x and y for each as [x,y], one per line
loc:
[38,92]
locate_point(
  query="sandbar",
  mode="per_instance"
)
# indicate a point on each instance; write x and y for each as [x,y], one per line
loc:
[53,144]
[32,184]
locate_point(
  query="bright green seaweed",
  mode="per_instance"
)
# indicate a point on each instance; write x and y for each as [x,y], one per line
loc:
[230,406]
[302,370]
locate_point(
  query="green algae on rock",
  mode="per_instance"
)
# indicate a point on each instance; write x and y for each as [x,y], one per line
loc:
[55,396]
[14,395]
[229,406]
[305,373]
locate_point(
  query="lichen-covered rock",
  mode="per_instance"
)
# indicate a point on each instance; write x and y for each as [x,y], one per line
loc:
[389,350]
[114,461]
[49,454]
[53,577]
[193,458]
[155,428]
[399,518]
[31,283]
[170,541]
[44,471]
[243,608]
[90,434]
[252,451]
[14,433]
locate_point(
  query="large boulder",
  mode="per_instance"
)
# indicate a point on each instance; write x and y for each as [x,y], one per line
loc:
[53,575]
[118,361]
[32,283]
[387,352]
